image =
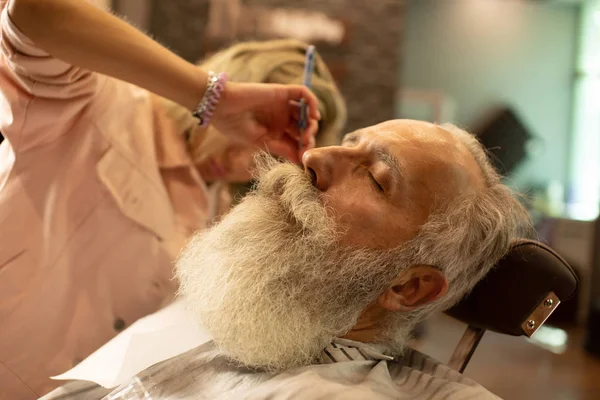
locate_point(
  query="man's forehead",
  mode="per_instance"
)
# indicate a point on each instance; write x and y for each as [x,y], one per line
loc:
[418,144]
[399,131]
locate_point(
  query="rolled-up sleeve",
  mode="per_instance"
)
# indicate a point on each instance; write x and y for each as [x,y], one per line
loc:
[41,97]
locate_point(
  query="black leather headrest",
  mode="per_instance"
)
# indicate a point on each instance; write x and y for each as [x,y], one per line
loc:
[515,286]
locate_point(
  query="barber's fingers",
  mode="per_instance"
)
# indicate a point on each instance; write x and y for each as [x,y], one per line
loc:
[294,131]
[297,92]
[310,144]
[307,139]
[285,147]
[291,148]
[292,143]
[295,110]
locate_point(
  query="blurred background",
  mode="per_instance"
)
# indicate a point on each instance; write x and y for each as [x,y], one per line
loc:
[524,75]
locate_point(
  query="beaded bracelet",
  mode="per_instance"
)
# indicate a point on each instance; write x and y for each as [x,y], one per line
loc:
[214,88]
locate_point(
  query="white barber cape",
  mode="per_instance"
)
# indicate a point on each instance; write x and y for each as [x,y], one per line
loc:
[347,370]
[156,337]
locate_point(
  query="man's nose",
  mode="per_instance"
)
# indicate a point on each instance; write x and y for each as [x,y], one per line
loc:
[319,164]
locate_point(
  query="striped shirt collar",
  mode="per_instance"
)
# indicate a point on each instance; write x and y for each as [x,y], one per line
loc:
[342,350]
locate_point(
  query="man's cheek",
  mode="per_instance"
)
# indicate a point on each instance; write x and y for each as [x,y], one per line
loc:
[358,216]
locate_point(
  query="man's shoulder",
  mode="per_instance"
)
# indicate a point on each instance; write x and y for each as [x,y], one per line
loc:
[202,372]
[206,371]
[423,378]
[424,375]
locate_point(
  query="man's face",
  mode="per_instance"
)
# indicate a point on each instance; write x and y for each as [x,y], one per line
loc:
[298,260]
[385,180]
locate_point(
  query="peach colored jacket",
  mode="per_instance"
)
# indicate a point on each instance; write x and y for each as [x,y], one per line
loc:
[97,196]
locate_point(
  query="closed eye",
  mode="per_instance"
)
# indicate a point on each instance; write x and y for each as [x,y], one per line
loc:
[375,183]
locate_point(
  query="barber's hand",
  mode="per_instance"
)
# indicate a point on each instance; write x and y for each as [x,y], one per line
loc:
[266,115]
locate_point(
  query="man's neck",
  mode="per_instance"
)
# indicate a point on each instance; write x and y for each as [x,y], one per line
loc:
[368,326]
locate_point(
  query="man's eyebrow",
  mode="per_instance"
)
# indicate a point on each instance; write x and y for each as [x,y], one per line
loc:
[383,154]
[391,161]
[351,137]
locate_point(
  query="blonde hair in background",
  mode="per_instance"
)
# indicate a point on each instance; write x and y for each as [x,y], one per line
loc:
[273,61]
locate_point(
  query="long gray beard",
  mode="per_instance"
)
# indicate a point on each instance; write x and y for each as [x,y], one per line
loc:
[270,282]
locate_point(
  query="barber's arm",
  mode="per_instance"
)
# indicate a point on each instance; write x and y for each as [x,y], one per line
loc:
[83,35]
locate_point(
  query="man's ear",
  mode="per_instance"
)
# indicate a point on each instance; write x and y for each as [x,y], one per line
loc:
[414,288]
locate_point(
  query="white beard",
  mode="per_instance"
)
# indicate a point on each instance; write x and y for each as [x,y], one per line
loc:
[270,283]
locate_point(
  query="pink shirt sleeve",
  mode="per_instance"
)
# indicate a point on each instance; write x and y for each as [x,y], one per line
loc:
[41,97]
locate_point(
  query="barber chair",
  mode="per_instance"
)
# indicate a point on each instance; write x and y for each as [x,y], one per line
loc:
[515,298]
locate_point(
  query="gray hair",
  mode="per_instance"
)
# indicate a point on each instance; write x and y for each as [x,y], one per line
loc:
[466,238]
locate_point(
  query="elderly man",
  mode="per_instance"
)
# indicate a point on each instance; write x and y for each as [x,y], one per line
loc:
[311,285]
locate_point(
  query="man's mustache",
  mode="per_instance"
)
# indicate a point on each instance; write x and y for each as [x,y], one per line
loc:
[275,176]
[292,191]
